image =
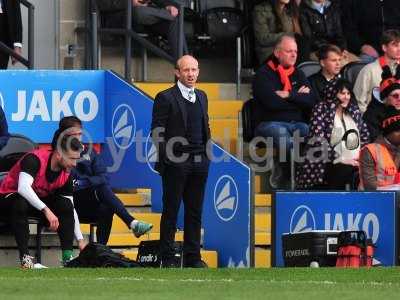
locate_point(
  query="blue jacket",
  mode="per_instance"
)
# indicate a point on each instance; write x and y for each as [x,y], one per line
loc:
[90,171]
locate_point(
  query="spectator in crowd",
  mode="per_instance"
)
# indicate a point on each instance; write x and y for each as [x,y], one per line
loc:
[321,24]
[180,114]
[283,97]
[160,16]
[364,22]
[93,198]
[336,133]
[10,29]
[387,95]
[329,58]
[271,20]
[370,76]
[38,185]
[380,161]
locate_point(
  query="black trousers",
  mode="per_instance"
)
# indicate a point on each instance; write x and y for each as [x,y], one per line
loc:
[18,209]
[187,182]
[5,39]
[99,204]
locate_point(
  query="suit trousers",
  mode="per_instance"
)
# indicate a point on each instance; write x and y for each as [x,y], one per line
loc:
[187,182]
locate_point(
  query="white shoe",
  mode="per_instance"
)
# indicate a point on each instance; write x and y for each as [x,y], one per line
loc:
[39,266]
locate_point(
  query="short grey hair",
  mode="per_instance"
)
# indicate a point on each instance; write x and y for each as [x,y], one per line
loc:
[283,37]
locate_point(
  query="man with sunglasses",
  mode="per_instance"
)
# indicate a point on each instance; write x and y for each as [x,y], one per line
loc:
[380,161]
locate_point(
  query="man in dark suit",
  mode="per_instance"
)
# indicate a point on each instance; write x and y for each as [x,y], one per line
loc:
[180,131]
[10,29]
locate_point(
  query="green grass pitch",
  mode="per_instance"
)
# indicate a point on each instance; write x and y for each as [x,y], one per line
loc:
[244,284]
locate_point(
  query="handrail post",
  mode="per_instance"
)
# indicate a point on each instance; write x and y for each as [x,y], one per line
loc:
[180,34]
[128,42]
[31,37]
[95,59]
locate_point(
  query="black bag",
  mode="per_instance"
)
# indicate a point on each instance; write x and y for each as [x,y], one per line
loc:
[224,23]
[148,254]
[100,256]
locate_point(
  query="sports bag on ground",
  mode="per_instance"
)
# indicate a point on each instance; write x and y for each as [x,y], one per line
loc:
[100,256]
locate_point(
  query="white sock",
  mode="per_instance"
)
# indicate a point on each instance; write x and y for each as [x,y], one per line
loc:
[133,224]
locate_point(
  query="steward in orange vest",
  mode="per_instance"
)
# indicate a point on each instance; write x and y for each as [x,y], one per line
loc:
[380,161]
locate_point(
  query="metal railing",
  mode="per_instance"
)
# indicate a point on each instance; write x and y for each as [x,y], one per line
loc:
[30,62]
[130,34]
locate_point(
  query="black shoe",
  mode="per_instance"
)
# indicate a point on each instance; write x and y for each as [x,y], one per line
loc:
[173,262]
[196,264]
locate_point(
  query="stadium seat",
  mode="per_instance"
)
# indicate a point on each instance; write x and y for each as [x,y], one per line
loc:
[247,121]
[16,146]
[351,70]
[309,68]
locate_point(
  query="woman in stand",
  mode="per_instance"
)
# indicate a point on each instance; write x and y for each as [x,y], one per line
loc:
[337,132]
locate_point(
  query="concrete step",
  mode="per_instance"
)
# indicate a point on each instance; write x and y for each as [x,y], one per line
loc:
[224,109]
[119,226]
[262,238]
[263,200]
[131,199]
[225,133]
[210,257]
[262,258]
[129,240]
[262,222]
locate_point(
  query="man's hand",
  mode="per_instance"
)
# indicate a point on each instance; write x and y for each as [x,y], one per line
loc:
[53,220]
[140,2]
[82,244]
[172,10]
[17,50]
[304,90]
[369,50]
[283,94]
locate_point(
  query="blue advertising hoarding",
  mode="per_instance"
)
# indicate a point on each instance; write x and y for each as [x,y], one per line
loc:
[373,212]
[35,101]
[129,154]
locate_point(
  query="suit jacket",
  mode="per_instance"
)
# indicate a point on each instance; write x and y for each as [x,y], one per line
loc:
[12,34]
[170,118]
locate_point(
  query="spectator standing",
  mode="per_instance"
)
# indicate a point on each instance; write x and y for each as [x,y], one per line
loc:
[336,132]
[10,29]
[180,115]
[329,58]
[370,76]
[271,20]
[283,97]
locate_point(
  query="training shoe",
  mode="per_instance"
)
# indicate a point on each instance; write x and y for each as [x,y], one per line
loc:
[27,262]
[139,228]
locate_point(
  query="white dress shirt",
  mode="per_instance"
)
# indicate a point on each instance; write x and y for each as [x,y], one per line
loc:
[187,93]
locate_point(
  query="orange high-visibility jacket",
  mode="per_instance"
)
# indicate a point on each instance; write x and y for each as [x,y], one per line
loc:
[385,168]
